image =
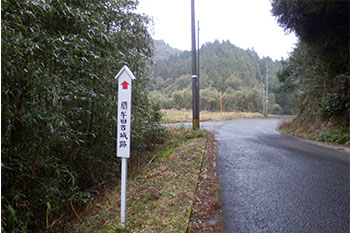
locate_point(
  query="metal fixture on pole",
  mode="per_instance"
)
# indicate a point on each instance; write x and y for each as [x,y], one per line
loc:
[195,86]
[124,175]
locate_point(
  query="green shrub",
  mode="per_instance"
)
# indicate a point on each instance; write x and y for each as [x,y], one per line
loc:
[338,135]
[59,59]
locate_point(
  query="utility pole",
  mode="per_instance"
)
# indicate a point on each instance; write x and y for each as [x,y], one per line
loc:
[267,89]
[221,97]
[198,71]
[195,86]
[263,99]
[198,49]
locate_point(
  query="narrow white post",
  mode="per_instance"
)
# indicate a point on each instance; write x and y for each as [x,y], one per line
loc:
[124,78]
[123,191]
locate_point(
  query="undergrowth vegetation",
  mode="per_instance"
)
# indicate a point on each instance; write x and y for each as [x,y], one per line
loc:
[160,195]
[317,129]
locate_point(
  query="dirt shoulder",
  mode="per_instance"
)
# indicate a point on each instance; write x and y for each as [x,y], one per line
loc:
[332,146]
[205,215]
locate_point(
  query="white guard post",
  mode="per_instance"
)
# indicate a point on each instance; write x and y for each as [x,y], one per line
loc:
[125,78]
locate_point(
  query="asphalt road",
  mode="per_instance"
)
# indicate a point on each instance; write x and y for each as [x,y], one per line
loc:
[275,183]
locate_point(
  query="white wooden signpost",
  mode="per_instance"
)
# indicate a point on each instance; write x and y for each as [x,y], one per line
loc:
[125,78]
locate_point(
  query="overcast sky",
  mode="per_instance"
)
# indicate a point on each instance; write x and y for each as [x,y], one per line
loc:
[245,23]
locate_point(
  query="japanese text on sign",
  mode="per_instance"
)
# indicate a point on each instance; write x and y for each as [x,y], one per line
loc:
[125,78]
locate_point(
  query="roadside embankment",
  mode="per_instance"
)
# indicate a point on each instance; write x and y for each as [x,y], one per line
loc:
[329,131]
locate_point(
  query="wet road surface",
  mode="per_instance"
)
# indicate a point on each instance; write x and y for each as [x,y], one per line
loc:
[275,183]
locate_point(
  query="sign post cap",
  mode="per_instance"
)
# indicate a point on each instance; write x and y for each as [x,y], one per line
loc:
[126,70]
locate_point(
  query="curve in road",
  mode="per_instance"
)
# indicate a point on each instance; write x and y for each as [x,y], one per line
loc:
[276,183]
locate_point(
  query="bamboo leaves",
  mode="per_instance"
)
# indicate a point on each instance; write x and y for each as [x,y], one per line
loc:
[59,59]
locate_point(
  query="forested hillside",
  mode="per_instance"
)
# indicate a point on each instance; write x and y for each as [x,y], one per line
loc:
[319,66]
[163,50]
[225,70]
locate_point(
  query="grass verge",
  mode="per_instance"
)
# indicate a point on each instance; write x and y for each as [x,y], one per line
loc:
[161,197]
[175,116]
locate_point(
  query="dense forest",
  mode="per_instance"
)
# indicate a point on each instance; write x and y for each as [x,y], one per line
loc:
[58,116]
[225,70]
[319,67]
